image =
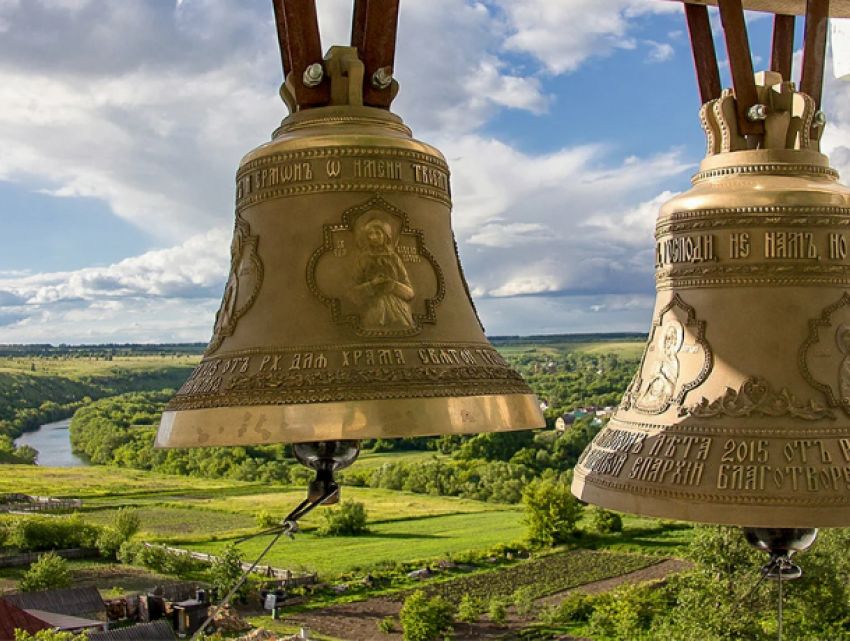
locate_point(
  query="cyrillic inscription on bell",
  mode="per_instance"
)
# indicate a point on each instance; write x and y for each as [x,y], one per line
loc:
[740,410]
[346,315]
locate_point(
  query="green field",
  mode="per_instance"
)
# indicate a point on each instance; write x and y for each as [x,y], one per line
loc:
[90,482]
[386,543]
[77,368]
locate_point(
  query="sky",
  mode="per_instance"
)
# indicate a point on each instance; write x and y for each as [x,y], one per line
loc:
[566,124]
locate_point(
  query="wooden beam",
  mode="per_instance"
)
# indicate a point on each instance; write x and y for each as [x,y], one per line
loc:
[705,56]
[358,24]
[814,49]
[280,22]
[305,49]
[782,52]
[378,51]
[740,63]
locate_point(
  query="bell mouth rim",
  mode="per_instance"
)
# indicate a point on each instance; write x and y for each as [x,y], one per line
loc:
[388,418]
[694,510]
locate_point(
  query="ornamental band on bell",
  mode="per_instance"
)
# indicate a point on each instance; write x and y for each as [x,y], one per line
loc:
[375,273]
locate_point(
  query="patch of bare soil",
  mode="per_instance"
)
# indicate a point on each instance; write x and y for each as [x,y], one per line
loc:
[652,573]
[130,579]
[359,621]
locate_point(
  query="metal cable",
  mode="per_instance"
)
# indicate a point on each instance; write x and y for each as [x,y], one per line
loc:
[289,528]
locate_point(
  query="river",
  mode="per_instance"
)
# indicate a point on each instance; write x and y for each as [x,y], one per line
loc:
[53,443]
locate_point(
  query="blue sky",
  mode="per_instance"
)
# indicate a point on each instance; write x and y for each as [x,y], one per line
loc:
[566,124]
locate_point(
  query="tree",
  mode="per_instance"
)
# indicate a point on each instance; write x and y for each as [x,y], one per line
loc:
[551,512]
[424,620]
[347,519]
[50,572]
[225,572]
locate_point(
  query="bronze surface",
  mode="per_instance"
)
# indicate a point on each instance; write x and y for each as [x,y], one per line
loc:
[346,314]
[740,411]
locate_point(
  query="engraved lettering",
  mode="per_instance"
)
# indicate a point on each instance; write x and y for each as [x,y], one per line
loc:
[739,245]
[837,247]
[685,249]
[333,168]
[789,244]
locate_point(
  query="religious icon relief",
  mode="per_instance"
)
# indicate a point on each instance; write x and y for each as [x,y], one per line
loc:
[382,290]
[659,390]
[243,283]
[825,355]
[677,359]
[375,273]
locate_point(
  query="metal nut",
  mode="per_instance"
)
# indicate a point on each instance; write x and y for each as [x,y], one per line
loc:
[757,112]
[382,78]
[819,119]
[313,74]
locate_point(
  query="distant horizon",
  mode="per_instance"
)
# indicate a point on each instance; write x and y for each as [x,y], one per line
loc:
[568,336]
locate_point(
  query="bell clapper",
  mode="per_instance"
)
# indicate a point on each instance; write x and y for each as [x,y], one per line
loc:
[326,457]
[781,544]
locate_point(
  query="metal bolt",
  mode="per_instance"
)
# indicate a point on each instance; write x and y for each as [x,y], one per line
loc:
[756,113]
[313,74]
[819,119]
[382,78]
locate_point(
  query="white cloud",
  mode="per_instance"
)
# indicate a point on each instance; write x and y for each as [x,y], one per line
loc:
[196,268]
[659,51]
[564,34]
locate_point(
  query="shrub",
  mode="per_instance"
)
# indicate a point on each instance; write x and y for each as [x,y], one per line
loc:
[129,552]
[126,522]
[577,607]
[35,533]
[49,635]
[551,512]
[524,600]
[497,612]
[109,543]
[347,519]
[606,522]
[266,521]
[469,609]
[160,560]
[424,620]
[50,572]
[386,625]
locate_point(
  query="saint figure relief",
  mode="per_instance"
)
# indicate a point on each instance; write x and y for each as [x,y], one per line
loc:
[842,338]
[382,289]
[665,371]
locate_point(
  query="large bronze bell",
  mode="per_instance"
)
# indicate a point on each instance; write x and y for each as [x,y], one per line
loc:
[346,315]
[739,413]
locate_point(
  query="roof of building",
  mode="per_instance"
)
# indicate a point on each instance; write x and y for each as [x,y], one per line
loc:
[13,618]
[156,631]
[65,621]
[71,601]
